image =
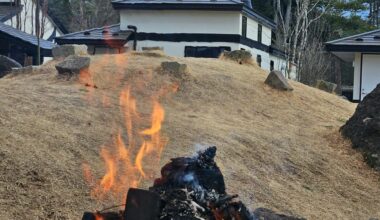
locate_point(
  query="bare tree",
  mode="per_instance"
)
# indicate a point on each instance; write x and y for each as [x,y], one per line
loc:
[92,13]
[316,62]
[295,24]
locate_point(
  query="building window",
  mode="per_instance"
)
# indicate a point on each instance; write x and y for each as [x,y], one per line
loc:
[258,60]
[260,33]
[244,27]
[271,65]
[205,52]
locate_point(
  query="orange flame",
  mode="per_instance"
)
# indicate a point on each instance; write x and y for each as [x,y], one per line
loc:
[98,217]
[122,169]
[157,119]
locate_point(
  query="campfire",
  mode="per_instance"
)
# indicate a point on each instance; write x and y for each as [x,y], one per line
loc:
[190,188]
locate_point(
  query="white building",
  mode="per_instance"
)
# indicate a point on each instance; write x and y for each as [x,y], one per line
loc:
[18,30]
[192,28]
[363,50]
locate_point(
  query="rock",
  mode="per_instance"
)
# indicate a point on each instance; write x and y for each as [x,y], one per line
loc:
[363,128]
[266,214]
[151,48]
[23,70]
[68,50]
[278,81]
[73,65]
[6,65]
[178,70]
[239,56]
[326,86]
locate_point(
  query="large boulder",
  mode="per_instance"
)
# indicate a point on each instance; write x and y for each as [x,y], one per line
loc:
[6,65]
[363,128]
[175,69]
[73,65]
[278,81]
[327,86]
[69,50]
[239,56]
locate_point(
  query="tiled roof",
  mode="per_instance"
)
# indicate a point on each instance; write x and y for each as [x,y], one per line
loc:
[366,42]
[108,35]
[27,38]
[8,11]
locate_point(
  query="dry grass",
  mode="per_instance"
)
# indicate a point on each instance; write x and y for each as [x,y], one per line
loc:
[277,150]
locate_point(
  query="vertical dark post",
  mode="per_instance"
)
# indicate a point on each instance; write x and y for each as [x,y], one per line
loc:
[38,29]
[134,29]
[338,76]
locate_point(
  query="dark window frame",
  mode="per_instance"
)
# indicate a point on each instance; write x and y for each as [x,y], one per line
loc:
[258,60]
[201,51]
[244,25]
[260,33]
[271,65]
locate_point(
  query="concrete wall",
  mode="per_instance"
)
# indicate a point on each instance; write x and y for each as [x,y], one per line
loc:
[161,21]
[199,22]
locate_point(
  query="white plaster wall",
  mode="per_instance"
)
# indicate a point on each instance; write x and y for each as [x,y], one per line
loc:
[252,31]
[370,73]
[357,67]
[168,21]
[265,57]
[279,63]
[27,20]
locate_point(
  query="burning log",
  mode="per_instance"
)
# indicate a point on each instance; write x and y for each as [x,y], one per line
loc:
[190,188]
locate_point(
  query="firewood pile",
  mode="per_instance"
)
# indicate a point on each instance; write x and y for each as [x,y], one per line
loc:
[190,188]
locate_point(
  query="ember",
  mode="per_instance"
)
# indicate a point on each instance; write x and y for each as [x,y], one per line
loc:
[190,188]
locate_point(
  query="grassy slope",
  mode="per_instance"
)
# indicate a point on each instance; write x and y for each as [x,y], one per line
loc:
[277,150]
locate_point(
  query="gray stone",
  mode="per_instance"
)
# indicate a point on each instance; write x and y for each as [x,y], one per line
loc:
[23,70]
[68,50]
[178,70]
[239,56]
[6,65]
[151,48]
[326,86]
[278,81]
[73,65]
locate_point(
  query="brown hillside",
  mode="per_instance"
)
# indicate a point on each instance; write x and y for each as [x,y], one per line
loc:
[277,150]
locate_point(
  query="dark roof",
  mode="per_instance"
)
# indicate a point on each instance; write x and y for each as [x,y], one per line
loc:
[365,42]
[7,11]
[213,5]
[108,35]
[24,37]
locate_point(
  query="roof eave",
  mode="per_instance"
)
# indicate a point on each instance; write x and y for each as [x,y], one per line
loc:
[113,43]
[177,6]
[352,48]
[263,20]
